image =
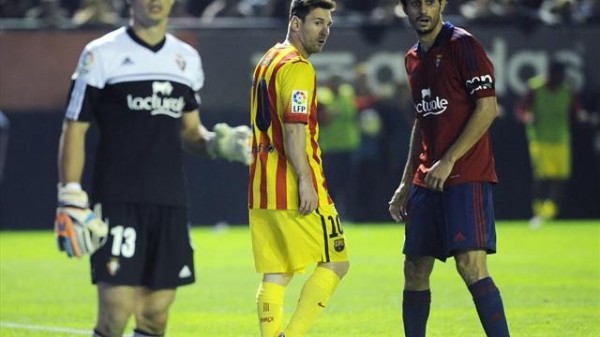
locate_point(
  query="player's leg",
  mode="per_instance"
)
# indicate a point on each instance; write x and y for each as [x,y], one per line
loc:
[129,258]
[271,231]
[472,267]
[115,267]
[416,297]
[315,295]
[538,156]
[269,303]
[152,311]
[169,264]
[324,236]
[422,243]
[115,305]
[471,235]
[558,175]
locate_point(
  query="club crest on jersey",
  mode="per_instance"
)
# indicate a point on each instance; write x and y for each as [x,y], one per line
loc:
[180,62]
[430,105]
[299,101]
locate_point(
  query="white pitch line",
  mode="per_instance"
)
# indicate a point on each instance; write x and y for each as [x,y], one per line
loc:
[13,325]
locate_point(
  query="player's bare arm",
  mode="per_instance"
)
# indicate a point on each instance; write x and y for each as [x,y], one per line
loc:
[193,134]
[486,111]
[78,230]
[397,206]
[71,152]
[295,148]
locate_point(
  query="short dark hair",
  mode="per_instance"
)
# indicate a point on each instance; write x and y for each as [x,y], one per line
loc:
[404,2]
[301,8]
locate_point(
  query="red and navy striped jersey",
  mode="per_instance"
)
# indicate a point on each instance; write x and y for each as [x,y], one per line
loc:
[446,81]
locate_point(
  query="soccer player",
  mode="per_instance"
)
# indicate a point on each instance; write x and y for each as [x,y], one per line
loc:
[546,110]
[293,220]
[445,195]
[138,84]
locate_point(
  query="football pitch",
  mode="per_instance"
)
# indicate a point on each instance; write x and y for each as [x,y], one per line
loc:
[549,280]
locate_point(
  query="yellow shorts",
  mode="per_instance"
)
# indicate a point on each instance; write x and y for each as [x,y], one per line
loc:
[284,242]
[550,161]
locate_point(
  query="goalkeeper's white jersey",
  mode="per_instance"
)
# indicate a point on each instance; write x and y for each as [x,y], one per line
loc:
[136,94]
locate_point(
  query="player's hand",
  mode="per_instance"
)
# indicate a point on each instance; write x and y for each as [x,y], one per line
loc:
[436,176]
[78,230]
[231,143]
[309,199]
[397,205]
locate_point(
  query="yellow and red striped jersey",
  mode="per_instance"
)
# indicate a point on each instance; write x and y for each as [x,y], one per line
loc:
[283,91]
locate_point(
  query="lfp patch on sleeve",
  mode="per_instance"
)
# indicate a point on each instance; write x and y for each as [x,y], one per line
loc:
[299,101]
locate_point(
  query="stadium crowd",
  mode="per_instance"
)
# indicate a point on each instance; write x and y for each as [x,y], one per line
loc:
[93,13]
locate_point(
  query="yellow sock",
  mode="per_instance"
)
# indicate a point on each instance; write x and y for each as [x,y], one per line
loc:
[313,299]
[269,305]
[549,209]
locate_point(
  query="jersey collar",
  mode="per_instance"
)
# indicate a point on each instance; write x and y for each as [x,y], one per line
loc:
[443,36]
[139,41]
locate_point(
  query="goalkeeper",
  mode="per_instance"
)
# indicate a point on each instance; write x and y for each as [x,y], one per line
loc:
[139,86]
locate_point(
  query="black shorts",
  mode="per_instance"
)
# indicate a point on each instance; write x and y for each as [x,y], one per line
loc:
[148,245]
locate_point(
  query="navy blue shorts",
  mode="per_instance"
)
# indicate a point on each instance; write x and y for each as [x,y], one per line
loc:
[440,224]
[148,245]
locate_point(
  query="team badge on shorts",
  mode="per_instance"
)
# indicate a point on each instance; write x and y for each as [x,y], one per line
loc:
[113,266]
[339,245]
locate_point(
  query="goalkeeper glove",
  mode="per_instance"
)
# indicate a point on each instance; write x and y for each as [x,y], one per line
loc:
[78,230]
[231,143]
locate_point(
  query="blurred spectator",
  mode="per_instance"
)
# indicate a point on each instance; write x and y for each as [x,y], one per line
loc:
[227,8]
[371,171]
[96,13]
[557,11]
[181,9]
[397,112]
[385,147]
[546,110]
[13,8]
[196,7]
[50,13]
[553,12]
[4,131]
[339,139]
[376,13]
[365,97]
[276,8]
[487,10]
[587,11]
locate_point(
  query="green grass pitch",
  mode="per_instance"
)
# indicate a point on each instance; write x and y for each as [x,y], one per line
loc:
[549,279]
